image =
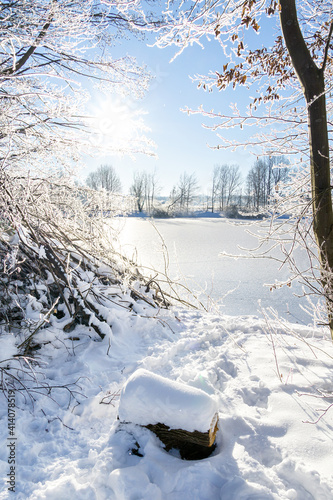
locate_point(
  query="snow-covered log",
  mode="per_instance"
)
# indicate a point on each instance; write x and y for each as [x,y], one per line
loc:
[183,417]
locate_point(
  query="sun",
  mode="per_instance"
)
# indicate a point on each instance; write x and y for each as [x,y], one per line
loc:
[118,123]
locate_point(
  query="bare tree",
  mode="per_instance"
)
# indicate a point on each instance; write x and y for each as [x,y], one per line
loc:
[256,184]
[151,191]
[137,189]
[184,193]
[226,180]
[296,68]
[234,181]
[278,174]
[222,185]
[215,187]
[105,177]
[144,189]
[312,79]
[264,178]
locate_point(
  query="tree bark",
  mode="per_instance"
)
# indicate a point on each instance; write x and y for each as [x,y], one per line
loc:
[312,81]
[191,445]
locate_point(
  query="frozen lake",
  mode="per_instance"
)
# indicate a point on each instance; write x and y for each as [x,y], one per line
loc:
[194,249]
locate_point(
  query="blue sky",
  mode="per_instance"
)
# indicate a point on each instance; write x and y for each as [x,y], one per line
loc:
[182,143]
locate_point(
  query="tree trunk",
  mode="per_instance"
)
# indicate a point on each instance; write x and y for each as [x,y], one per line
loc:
[313,85]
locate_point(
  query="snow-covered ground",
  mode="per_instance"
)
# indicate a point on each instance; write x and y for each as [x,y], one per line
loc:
[264,376]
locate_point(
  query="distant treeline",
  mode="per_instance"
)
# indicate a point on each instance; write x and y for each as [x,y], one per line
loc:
[228,189]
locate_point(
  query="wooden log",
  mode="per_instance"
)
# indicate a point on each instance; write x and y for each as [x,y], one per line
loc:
[194,445]
[182,417]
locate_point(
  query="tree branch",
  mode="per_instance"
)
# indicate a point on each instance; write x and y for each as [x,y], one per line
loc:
[21,62]
[302,60]
[327,47]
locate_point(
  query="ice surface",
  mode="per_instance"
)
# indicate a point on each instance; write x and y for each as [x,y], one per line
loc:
[194,257]
[148,398]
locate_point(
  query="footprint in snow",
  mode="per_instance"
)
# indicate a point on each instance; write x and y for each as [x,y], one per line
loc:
[227,366]
[261,449]
[256,396]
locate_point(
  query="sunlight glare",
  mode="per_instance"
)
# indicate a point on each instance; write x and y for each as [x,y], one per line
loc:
[119,123]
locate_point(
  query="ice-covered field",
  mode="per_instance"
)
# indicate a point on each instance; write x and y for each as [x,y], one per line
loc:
[192,248]
[266,378]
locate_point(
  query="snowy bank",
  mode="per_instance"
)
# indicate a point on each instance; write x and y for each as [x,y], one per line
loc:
[64,368]
[266,381]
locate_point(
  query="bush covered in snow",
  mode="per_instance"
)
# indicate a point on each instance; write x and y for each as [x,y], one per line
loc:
[59,268]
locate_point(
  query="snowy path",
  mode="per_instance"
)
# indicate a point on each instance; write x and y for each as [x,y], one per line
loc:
[264,451]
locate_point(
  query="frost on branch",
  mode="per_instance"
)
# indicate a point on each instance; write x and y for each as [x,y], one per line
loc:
[53,57]
[59,270]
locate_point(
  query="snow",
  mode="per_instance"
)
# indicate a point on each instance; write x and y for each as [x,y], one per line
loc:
[267,379]
[148,398]
[194,253]
[42,253]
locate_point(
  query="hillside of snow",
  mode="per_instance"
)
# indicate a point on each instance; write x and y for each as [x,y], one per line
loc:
[272,382]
